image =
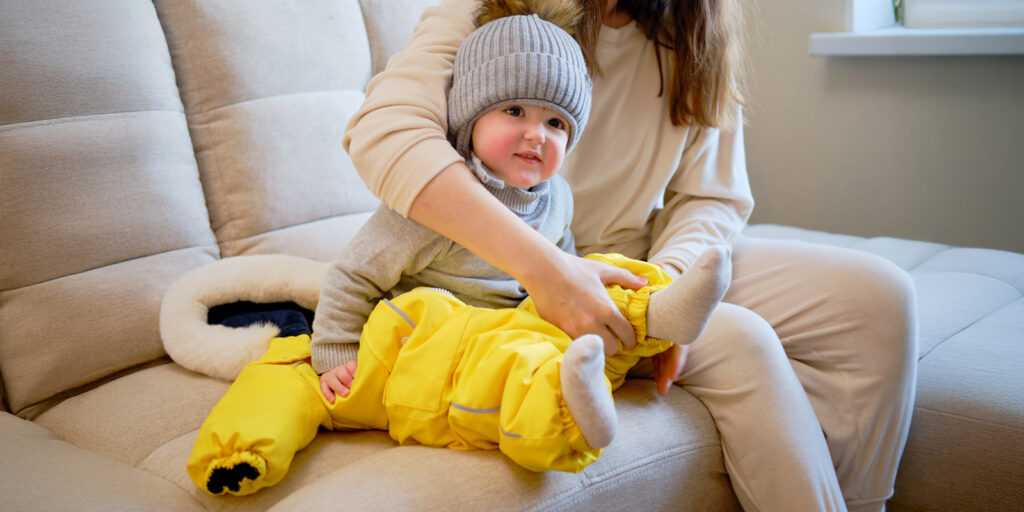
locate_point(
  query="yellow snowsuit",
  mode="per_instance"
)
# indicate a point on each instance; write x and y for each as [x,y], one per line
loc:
[431,370]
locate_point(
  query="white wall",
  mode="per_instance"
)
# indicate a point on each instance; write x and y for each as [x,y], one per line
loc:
[929,148]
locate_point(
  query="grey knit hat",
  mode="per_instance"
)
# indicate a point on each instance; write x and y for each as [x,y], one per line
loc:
[518,60]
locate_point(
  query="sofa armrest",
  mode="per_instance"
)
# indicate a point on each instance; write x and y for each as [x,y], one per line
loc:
[40,472]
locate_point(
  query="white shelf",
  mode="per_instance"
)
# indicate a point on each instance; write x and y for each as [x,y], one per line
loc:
[920,41]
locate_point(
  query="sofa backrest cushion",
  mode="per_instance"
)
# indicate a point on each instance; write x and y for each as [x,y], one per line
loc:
[268,87]
[140,141]
[99,192]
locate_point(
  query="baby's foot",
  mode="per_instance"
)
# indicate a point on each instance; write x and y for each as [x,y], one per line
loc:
[679,312]
[585,392]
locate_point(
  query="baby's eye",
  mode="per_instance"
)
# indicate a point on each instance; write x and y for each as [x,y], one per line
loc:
[514,111]
[555,122]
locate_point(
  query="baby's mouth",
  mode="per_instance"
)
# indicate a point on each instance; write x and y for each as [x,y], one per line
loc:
[528,158]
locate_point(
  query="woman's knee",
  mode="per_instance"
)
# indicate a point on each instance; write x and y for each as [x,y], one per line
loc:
[880,283]
[740,355]
[883,295]
[741,337]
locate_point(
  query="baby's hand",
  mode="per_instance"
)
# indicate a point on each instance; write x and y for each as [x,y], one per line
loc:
[339,380]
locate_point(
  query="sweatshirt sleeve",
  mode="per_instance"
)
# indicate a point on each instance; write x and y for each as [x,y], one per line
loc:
[707,202]
[398,138]
[386,247]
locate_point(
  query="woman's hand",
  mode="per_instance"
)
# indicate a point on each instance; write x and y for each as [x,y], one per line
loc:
[339,380]
[569,292]
[668,365]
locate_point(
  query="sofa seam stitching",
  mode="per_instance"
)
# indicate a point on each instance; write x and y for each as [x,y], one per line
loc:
[645,465]
[968,418]
[921,357]
[83,118]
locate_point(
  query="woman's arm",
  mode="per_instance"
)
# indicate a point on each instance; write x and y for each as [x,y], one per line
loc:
[708,201]
[398,138]
[568,291]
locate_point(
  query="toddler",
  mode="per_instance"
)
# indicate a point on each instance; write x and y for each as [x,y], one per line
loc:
[416,335]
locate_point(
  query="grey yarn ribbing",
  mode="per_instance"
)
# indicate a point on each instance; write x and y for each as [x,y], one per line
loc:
[518,60]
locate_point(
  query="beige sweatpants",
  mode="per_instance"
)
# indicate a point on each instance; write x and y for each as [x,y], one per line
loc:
[809,340]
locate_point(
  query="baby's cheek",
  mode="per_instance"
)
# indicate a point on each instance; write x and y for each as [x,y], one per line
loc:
[500,145]
[506,142]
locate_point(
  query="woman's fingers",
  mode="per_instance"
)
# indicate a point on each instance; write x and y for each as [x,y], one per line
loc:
[668,366]
[614,275]
[614,320]
[572,296]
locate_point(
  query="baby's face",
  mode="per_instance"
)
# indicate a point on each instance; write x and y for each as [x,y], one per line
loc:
[522,145]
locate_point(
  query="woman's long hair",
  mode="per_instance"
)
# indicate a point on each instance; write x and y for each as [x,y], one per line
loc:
[703,42]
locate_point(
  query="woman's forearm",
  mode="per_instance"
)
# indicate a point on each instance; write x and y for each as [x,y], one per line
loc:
[568,291]
[456,206]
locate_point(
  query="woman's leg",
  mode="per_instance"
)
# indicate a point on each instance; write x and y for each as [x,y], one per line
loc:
[773,446]
[846,321]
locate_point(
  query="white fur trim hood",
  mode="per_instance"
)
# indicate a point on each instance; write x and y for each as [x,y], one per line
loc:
[221,351]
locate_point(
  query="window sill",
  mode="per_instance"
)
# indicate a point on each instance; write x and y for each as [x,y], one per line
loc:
[920,41]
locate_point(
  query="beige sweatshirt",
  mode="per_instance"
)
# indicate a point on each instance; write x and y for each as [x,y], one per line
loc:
[642,187]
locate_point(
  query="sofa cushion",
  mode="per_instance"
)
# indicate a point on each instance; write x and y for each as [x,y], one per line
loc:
[99,193]
[150,419]
[666,456]
[130,416]
[95,323]
[43,473]
[389,23]
[967,434]
[106,57]
[268,89]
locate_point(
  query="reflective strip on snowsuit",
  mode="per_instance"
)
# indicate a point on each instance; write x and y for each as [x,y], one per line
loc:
[431,370]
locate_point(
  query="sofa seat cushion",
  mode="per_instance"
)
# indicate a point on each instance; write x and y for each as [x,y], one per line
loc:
[132,415]
[44,473]
[666,456]
[967,435]
[150,419]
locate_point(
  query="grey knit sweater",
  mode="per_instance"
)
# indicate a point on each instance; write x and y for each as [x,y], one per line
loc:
[391,255]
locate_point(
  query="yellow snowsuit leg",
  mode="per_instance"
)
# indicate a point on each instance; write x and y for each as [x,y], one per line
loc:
[475,378]
[272,410]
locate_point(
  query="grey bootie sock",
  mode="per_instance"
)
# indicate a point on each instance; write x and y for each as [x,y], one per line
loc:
[680,311]
[585,392]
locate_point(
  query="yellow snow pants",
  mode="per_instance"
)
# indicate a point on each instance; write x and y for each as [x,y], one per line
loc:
[431,370]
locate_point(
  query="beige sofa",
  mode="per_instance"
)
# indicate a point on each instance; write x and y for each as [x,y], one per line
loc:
[141,140]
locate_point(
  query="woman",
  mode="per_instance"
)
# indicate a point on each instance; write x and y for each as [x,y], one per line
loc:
[811,343]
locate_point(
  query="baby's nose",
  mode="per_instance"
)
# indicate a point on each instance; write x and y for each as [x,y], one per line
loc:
[534,132]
